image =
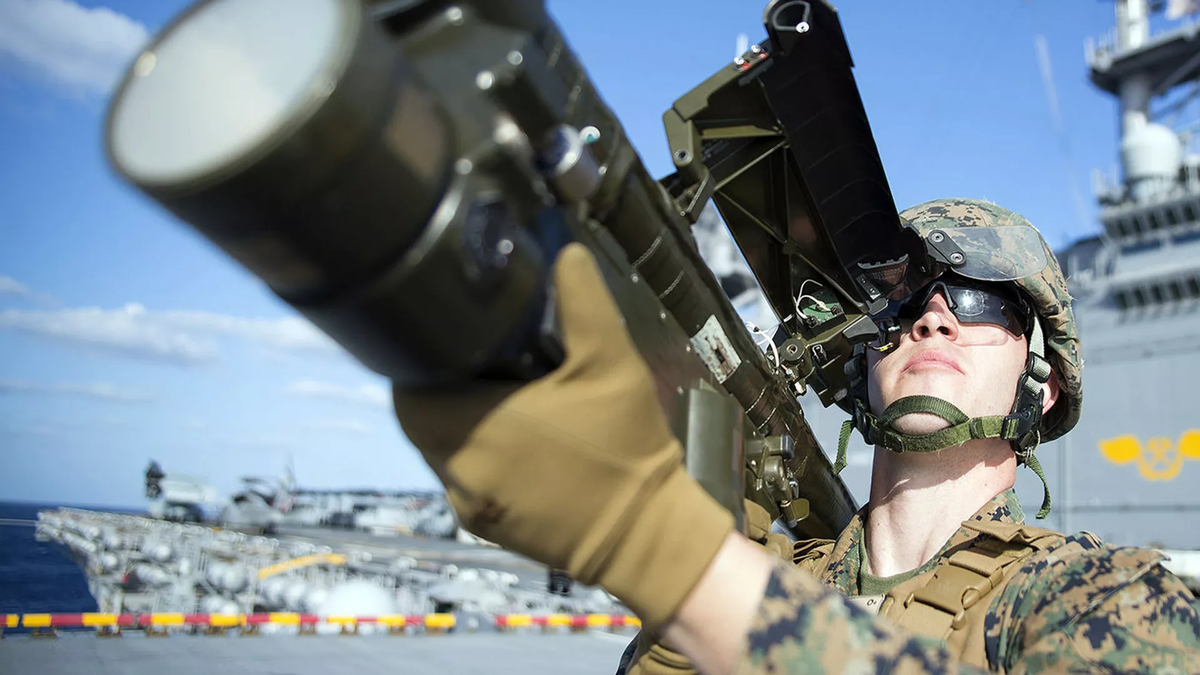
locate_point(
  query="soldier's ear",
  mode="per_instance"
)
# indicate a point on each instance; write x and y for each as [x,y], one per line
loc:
[1050,390]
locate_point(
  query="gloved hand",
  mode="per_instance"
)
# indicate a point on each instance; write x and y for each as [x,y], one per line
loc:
[578,469]
[651,656]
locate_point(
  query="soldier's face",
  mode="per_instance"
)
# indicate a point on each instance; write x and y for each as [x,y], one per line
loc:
[973,366]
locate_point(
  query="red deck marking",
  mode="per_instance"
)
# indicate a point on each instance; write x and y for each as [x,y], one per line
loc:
[66,620]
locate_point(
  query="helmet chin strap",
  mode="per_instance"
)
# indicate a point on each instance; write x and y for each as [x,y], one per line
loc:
[1020,427]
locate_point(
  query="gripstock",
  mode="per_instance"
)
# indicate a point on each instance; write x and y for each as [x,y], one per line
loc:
[402,173]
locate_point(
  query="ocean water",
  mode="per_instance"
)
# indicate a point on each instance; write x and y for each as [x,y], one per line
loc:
[36,576]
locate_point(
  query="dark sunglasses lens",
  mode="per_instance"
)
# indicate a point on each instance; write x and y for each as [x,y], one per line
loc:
[970,304]
[974,305]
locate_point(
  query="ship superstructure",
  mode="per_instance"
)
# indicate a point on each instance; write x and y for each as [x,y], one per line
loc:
[1132,469]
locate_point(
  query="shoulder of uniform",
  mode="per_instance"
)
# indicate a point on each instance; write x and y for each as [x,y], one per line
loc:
[1084,556]
[1074,574]
[1073,585]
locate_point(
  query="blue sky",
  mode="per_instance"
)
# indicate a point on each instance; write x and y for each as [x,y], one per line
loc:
[124,337]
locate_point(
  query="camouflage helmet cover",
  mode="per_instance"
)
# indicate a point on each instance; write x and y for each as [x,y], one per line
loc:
[1047,289]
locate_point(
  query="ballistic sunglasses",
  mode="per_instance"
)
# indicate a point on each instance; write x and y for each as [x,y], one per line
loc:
[971,302]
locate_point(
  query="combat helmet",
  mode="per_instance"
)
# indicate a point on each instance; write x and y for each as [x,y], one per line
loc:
[979,240]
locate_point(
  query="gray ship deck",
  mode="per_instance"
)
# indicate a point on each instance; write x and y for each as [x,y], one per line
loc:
[440,551]
[491,653]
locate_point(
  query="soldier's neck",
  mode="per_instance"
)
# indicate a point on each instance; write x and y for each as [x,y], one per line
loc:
[918,500]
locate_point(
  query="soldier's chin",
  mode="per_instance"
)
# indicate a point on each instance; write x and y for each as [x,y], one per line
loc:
[919,423]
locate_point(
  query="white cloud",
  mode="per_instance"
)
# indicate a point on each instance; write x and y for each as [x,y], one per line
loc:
[371,395]
[101,390]
[174,336]
[83,49]
[11,286]
[354,427]
[288,334]
[130,331]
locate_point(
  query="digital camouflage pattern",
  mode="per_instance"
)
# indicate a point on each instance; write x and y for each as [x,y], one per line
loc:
[1048,290]
[1077,606]
[1085,605]
[802,626]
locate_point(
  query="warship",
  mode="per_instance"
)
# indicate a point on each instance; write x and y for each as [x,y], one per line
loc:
[356,563]
[272,548]
[383,581]
[1131,468]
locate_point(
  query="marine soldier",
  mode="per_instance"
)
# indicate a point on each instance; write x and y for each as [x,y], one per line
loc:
[937,572]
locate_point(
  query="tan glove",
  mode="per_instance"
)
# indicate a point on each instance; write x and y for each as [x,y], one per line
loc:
[578,469]
[652,657]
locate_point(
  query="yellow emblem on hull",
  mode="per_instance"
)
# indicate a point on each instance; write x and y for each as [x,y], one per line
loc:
[1158,458]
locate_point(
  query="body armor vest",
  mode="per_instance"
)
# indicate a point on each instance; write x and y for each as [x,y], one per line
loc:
[950,602]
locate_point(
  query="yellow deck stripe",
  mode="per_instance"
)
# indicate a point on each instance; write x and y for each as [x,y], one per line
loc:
[558,620]
[226,620]
[599,620]
[518,620]
[351,620]
[392,620]
[95,619]
[166,619]
[285,618]
[11,620]
[439,620]
[36,621]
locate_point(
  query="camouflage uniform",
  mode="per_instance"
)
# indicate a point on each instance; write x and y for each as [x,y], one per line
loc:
[1079,605]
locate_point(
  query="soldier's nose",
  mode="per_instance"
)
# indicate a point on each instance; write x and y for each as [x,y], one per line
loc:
[936,318]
